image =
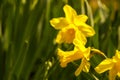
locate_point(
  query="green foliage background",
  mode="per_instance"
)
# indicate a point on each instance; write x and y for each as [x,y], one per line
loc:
[27,49]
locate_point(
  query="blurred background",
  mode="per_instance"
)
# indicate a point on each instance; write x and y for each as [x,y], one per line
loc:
[27,49]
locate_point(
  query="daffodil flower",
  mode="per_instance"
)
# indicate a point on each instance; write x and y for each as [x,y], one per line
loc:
[113,65]
[70,56]
[73,29]
[70,25]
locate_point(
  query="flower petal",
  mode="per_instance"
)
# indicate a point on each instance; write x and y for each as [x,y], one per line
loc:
[86,29]
[59,23]
[69,56]
[79,69]
[79,45]
[80,40]
[69,13]
[87,53]
[85,65]
[80,37]
[105,65]
[117,55]
[80,18]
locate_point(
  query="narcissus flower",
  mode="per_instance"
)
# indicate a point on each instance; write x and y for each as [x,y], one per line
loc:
[70,56]
[70,25]
[113,65]
[73,29]
[66,57]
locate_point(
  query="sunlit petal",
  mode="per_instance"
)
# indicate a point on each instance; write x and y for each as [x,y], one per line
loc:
[59,23]
[80,18]
[84,66]
[80,40]
[105,65]
[87,53]
[86,29]
[79,69]
[80,37]
[117,55]
[79,44]
[69,56]
[87,66]
[69,13]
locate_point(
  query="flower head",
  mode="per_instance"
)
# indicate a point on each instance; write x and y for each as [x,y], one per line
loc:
[70,25]
[70,56]
[113,65]
[73,29]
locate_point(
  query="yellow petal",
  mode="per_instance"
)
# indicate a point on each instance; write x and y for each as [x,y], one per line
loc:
[87,66]
[69,56]
[59,23]
[59,38]
[86,29]
[105,65]
[84,66]
[80,18]
[117,55]
[80,40]
[62,57]
[79,36]
[79,44]
[87,53]
[69,13]
[112,74]
[79,69]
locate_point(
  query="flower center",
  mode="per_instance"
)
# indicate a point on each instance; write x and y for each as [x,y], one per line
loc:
[70,35]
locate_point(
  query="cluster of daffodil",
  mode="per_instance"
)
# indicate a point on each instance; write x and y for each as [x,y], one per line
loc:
[73,29]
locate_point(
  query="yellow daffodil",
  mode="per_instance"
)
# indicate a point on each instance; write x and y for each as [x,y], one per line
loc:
[70,25]
[113,65]
[73,29]
[70,56]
